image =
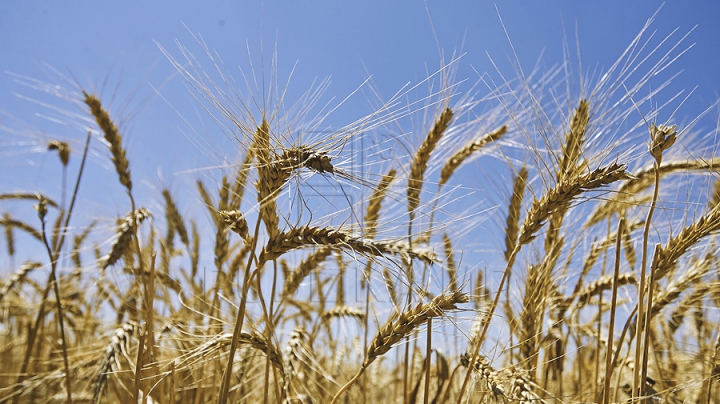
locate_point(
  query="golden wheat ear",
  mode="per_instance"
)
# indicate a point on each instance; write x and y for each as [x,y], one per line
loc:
[113,137]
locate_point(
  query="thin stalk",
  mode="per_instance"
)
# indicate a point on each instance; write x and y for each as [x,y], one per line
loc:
[138,366]
[613,306]
[409,263]
[225,386]
[648,314]
[428,350]
[269,324]
[32,334]
[599,323]
[61,321]
[638,387]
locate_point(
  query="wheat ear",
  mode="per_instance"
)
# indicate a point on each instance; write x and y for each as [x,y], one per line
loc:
[304,236]
[403,324]
[18,277]
[461,155]
[124,237]
[419,163]
[113,137]
[560,197]
[677,246]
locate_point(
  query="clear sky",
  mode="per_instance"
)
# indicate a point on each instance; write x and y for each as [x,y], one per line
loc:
[396,42]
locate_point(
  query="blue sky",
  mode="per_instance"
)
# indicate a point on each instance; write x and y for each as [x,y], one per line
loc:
[97,42]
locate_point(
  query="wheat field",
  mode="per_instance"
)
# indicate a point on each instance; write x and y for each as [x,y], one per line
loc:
[581,268]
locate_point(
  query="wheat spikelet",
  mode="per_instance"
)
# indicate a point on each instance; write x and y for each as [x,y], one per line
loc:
[294,355]
[307,157]
[110,131]
[304,236]
[461,155]
[537,291]
[419,163]
[512,225]
[715,197]
[627,242]
[662,138]
[124,237]
[404,323]
[569,167]
[220,341]
[270,179]
[390,286]
[690,301]
[560,197]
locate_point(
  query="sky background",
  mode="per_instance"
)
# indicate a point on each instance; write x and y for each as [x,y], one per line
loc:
[111,48]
